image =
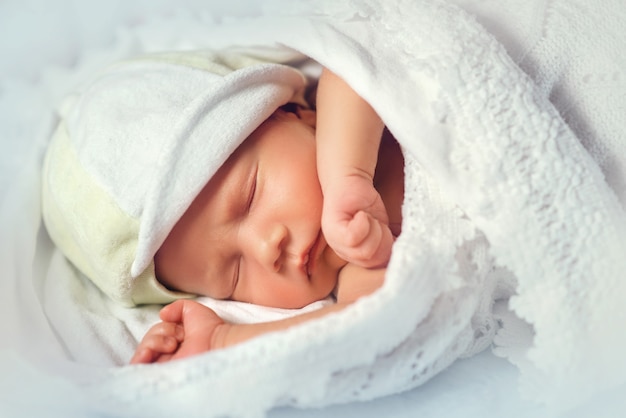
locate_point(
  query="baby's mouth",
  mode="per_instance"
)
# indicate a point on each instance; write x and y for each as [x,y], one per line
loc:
[311,256]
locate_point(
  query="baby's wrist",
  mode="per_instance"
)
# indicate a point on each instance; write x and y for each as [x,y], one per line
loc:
[338,178]
[221,336]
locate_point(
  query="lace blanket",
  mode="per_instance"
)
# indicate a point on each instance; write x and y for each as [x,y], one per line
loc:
[501,198]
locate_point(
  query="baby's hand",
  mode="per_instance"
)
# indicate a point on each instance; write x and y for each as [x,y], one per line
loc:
[188,328]
[355,222]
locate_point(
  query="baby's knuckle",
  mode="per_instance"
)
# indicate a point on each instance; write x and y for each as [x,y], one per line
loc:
[364,253]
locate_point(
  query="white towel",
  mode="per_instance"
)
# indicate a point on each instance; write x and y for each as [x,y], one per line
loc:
[136,146]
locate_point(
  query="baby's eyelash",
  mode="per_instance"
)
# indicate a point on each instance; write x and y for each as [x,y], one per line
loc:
[252,191]
[248,205]
[236,277]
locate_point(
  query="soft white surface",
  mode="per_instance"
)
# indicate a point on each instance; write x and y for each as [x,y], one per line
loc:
[480,386]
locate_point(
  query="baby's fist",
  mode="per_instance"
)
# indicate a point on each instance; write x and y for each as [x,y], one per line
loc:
[355,222]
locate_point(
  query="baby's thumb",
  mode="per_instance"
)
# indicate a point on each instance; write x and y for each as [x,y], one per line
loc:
[383,252]
[356,229]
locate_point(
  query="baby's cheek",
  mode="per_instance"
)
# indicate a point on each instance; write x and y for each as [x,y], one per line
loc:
[332,259]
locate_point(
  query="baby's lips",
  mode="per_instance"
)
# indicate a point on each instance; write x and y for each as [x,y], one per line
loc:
[314,253]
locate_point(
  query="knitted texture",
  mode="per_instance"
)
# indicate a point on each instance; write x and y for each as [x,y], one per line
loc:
[494,177]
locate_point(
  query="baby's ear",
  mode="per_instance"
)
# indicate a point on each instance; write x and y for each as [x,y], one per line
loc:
[307,116]
[293,110]
[282,114]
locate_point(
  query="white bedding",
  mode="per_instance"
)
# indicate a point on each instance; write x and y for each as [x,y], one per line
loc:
[32,82]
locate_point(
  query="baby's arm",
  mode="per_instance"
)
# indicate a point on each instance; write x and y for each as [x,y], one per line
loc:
[190,328]
[354,218]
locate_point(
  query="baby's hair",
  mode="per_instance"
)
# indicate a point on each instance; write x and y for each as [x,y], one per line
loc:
[291,107]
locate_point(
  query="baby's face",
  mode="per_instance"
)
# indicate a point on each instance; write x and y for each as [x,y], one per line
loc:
[253,234]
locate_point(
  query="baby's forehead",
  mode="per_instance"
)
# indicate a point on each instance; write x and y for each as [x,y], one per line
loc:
[227,175]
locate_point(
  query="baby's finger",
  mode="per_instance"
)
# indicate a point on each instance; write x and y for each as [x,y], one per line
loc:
[374,250]
[173,312]
[142,356]
[164,358]
[159,343]
[382,244]
[348,239]
[168,329]
[356,230]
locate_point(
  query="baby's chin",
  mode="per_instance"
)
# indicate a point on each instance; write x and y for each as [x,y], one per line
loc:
[321,292]
[299,296]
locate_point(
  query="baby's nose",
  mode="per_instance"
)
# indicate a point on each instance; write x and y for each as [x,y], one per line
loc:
[271,247]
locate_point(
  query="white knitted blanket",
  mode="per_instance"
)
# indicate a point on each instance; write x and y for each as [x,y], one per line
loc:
[501,199]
